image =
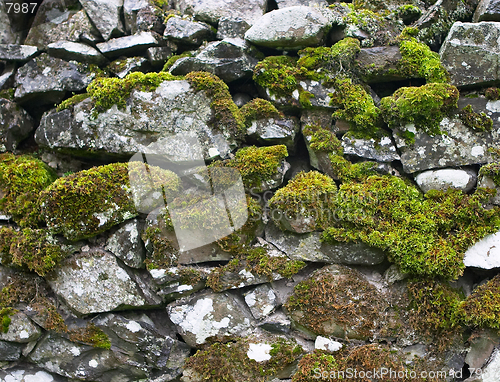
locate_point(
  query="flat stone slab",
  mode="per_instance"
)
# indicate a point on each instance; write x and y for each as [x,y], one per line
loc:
[485,254]
[68,50]
[128,45]
[22,53]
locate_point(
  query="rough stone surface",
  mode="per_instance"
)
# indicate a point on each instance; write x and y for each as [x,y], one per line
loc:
[209,314]
[21,53]
[126,244]
[232,27]
[7,33]
[277,322]
[272,131]
[485,254]
[290,28]
[128,45]
[68,50]
[481,348]
[261,300]
[140,16]
[21,330]
[382,150]
[106,16]
[28,374]
[157,55]
[212,11]
[77,278]
[10,351]
[441,180]
[491,371]
[128,65]
[487,10]
[187,31]
[15,125]
[487,182]
[379,64]
[470,53]
[172,283]
[307,3]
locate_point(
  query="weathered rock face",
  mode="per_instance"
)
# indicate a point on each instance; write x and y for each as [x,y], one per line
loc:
[211,11]
[186,31]
[18,53]
[15,125]
[447,178]
[485,253]
[382,150]
[273,131]
[106,16]
[68,50]
[126,244]
[487,10]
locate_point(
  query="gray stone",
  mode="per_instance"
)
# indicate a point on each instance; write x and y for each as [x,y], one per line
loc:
[481,104]
[207,314]
[15,125]
[379,64]
[382,150]
[484,254]
[229,59]
[45,80]
[307,3]
[289,28]
[187,31]
[393,274]
[7,76]
[68,50]
[273,131]
[491,371]
[28,374]
[261,300]
[482,344]
[20,53]
[487,182]
[93,282]
[352,254]
[7,33]
[123,67]
[470,53]
[231,27]
[441,180]
[212,11]
[21,330]
[157,55]
[106,16]
[10,351]
[487,10]
[126,244]
[146,125]
[177,282]
[141,15]
[128,45]
[457,146]
[277,322]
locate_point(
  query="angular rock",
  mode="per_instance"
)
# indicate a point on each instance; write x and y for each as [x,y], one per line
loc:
[307,3]
[68,50]
[8,34]
[277,322]
[470,53]
[128,45]
[187,31]
[229,59]
[126,244]
[289,28]
[457,146]
[273,131]
[231,27]
[45,80]
[487,182]
[157,55]
[146,125]
[21,330]
[140,15]
[20,53]
[489,372]
[261,301]
[122,67]
[485,254]
[176,282]
[487,10]
[7,76]
[27,374]
[106,16]
[352,254]
[212,11]
[482,345]
[10,351]
[441,180]
[382,150]
[93,282]
[207,315]
[379,64]
[15,125]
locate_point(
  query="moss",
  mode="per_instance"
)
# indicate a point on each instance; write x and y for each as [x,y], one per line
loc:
[424,236]
[493,94]
[21,289]
[322,139]
[278,74]
[7,94]
[491,170]
[315,362]
[423,106]
[91,335]
[171,61]
[475,121]
[8,235]
[89,202]
[106,92]
[356,108]
[70,102]
[365,19]
[307,196]
[22,178]
[420,62]
[226,117]
[346,171]
[408,13]
[229,362]
[51,318]
[259,108]
[482,307]
[5,319]
[161,253]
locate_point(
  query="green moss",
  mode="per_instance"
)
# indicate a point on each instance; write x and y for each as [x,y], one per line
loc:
[278,74]
[305,99]
[227,117]
[259,108]
[423,106]
[5,314]
[161,252]
[424,236]
[322,139]
[482,307]
[229,362]
[7,94]
[22,178]
[106,92]
[91,335]
[311,363]
[491,170]
[346,171]
[408,13]
[171,61]
[365,19]
[475,121]
[356,108]
[48,314]
[89,202]
[493,94]
[307,196]
[70,102]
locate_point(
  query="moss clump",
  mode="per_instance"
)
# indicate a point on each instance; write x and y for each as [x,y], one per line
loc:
[51,318]
[7,94]
[91,335]
[306,197]
[423,106]
[433,310]
[89,202]
[475,121]
[482,307]
[313,364]
[419,61]
[346,171]
[491,170]
[106,92]
[70,102]
[493,94]
[356,108]
[322,139]
[229,362]
[161,252]
[259,108]
[408,13]
[226,117]
[5,319]
[22,178]
[424,236]
[278,74]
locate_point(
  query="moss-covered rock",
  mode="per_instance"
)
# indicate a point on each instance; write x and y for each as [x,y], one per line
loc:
[475,121]
[259,108]
[91,335]
[278,75]
[22,178]
[89,202]
[303,205]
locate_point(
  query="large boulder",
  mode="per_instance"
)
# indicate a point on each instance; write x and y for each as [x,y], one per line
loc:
[443,179]
[211,11]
